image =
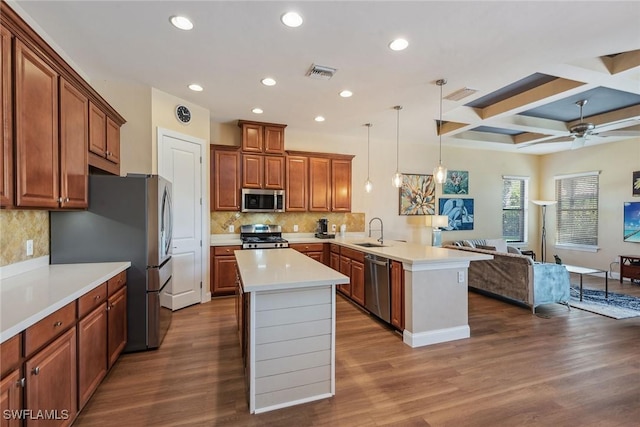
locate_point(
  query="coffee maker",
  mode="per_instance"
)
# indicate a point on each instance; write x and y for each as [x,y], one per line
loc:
[322,229]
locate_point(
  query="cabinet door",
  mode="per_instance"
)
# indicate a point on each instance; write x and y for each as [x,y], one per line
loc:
[319,184]
[334,261]
[252,137]
[74,135]
[113,141]
[274,172]
[92,353]
[116,325]
[345,268]
[224,275]
[252,170]
[10,398]
[340,185]
[51,380]
[274,139]
[97,130]
[296,191]
[357,281]
[36,130]
[397,295]
[226,180]
[6,105]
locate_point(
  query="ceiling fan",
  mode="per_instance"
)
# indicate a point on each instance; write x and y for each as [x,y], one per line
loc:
[581,131]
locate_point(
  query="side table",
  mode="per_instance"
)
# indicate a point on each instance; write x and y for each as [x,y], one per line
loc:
[529,253]
[630,267]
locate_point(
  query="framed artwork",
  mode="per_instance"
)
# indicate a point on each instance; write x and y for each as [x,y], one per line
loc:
[417,195]
[631,232]
[636,184]
[459,211]
[457,183]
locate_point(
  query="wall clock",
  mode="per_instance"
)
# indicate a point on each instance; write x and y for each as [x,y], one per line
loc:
[183,114]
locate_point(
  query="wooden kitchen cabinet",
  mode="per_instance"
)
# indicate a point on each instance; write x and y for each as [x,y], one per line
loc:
[225,189]
[6,114]
[340,185]
[345,268]
[113,141]
[397,295]
[319,184]
[92,351]
[51,380]
[257,137]
[11,397]
[104,137]
[36,130]
[116,325]
[312,250]
[264,172]
[224,266]
[296,183]
[357,281]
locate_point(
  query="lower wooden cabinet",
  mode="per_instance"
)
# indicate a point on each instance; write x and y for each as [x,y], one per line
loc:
[11,398]
[312,250]
[92,352]
[357,281]
[397,295]
[223,266]
[116,325]
[51,381]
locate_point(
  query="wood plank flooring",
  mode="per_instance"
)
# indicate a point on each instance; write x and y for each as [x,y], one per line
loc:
[557,368]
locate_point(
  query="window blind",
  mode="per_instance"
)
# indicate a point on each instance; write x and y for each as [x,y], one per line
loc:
[577,209]
[514,203]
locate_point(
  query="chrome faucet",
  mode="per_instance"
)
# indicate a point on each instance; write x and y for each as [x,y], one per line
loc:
[381,239]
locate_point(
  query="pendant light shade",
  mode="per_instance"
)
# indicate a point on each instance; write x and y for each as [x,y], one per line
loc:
[440,172]
[397,177]
[368,185]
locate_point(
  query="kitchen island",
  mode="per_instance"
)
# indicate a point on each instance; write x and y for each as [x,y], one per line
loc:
[287,325]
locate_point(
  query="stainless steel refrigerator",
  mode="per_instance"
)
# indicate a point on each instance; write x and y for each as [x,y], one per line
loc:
[128,219]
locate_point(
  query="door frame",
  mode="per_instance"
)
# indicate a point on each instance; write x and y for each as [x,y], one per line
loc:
[205,291]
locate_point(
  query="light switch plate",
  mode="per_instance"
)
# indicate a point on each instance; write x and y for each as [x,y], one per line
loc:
[295,228]
[460,276]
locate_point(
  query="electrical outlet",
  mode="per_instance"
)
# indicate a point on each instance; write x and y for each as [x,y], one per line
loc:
[333,227]
[231,228]
[295,228]
[460,276]
[29,247]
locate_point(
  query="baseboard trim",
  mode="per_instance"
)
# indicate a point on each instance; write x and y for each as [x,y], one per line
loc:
[420,339]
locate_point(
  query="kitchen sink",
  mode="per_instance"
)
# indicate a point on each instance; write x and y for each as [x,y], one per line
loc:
[370,245]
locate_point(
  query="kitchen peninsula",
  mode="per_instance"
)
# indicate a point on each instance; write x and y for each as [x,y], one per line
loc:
[287,323]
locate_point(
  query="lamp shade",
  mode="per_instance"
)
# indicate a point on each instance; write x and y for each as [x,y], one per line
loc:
[544,202]
[437,221]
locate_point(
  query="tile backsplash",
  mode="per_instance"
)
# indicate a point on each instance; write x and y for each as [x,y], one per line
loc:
[306,221]
[18,226]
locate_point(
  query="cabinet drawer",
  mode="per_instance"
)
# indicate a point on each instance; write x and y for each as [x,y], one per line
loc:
[48,328]
[92,299]
[353,254]
[307,247]
[10,354]
[225,250]
[116,282]
[335,248]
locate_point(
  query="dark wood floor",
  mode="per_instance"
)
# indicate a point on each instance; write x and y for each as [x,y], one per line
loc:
[557,368]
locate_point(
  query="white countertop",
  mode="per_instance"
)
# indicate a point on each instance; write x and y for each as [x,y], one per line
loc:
[276,269]
[29,297]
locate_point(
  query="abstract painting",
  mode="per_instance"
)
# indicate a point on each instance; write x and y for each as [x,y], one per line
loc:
[417,195]
[457,183]
[459,211]
[636,184]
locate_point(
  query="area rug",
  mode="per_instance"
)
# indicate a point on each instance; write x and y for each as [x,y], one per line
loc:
[617,306]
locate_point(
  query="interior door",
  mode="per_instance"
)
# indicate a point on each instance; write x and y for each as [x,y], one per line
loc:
[180,164]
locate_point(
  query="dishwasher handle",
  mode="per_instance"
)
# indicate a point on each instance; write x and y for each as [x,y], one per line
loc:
[376,262]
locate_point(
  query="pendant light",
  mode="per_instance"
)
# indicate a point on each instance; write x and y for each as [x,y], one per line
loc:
[368,185]
[440,172]
[397,177]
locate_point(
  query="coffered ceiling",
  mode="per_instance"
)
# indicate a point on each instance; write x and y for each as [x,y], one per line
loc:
[529,62]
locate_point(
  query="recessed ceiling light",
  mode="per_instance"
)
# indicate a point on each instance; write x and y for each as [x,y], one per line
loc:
[268,81]
[291,19]
[257,111]
[319,119]
[346,93]
[398,44]
[181,22]
[195,87]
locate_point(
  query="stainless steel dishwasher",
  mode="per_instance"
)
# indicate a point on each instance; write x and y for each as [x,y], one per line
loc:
[376,286]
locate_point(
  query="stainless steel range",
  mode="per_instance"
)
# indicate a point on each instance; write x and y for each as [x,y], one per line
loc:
[262,236]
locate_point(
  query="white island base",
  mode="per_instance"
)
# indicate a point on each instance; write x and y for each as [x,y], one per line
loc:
[288,327]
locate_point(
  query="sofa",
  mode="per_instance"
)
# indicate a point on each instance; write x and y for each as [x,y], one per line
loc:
[518,278]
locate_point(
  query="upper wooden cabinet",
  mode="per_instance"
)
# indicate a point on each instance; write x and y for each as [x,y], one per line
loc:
[297,182]
[319,184]
[259,171]
[104,136]
[225,188]
[340,185]
[6,105]
[257,137]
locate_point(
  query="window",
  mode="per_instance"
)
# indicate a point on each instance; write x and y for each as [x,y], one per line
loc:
[577,210]
[514,208]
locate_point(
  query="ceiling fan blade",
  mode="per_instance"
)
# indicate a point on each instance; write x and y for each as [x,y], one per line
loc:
[546,141]
[578,142]
[628,131]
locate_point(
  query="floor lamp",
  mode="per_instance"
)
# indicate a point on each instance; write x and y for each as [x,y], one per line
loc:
[543,240]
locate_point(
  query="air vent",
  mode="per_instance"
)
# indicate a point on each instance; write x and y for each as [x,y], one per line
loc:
[321,72]
[460,94]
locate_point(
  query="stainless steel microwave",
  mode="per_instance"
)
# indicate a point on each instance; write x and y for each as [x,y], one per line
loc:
[254,200]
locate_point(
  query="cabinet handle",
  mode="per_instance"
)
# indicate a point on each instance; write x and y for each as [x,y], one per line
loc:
[36,370]
[59,199]
[98,297]
[21,382]
[58,323]
[108,307]
[66,199]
